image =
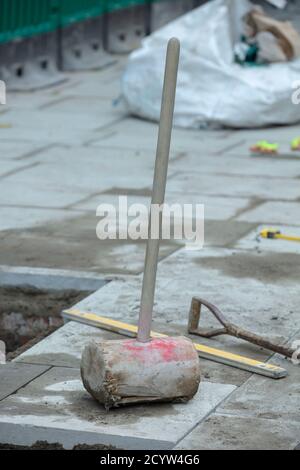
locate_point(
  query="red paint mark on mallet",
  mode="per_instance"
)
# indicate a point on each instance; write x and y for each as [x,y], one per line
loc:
[156,350]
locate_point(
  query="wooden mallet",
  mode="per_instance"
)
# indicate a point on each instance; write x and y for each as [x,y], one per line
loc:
[146,370]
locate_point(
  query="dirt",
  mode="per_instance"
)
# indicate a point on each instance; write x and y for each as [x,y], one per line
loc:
[28,313]
[146,192]
[44,445]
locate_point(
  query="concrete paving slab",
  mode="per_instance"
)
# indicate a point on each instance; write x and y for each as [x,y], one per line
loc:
[90,170]
[262,398]
[138,134]
[64,347]
[223,432]
[72,244]
[51,280]
[56,408]
[36,126]
[10,167]
[81,80]
[46,272]
[90,105]
[272,134]
[106,84]
[105,89]
[278,212]
[14,376]
[134,196]
[229,164]
[254,242]
[28,101]
[25,217]
[283,157]
[110,158]
[229,278]
[282,135]
[21,193]
[235,186]
[215,208]
[11,150]
[225,233]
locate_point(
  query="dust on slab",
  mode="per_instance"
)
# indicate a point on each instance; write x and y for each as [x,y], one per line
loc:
[265,267]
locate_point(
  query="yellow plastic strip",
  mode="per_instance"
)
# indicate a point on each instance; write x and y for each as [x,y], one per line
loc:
[290,238]
[277,235]
[206,352]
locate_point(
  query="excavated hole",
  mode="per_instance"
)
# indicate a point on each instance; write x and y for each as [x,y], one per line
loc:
[28,313]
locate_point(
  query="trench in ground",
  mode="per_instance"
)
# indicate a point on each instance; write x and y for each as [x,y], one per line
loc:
[31,306]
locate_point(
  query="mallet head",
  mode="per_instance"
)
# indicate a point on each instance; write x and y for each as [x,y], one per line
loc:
[129,372]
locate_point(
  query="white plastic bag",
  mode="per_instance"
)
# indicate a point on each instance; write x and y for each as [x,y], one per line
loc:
[212,89]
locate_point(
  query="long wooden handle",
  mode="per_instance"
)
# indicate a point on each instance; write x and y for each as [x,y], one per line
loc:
[159,188]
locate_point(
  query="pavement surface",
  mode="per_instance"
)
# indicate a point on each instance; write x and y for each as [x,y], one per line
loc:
[67,149]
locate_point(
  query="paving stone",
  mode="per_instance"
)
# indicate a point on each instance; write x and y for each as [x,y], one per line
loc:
[282,158]
[251,289]
[138,134]
[90,105]
[56,408]
[19,193]
[90,170]
[272,134]
[134,196]
[253,241]
[107,87]
[27,125]
[28,101]
[16,149]
[14,376]
[262,398]
[72,243]
[274,213]
[64,347]
[50,279]
[25,217]
[224,185]
[218,163]
[215,208]
[10,167]
[223,432]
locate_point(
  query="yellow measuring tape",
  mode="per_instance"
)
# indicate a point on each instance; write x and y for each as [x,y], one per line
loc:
[206,352]
[272,233]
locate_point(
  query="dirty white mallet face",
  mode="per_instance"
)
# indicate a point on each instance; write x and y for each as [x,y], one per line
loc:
[129,372]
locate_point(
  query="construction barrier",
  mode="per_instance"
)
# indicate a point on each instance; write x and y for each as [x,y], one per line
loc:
[127,22]
[40,37]
[81,24]
[26,18]
[28,43]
